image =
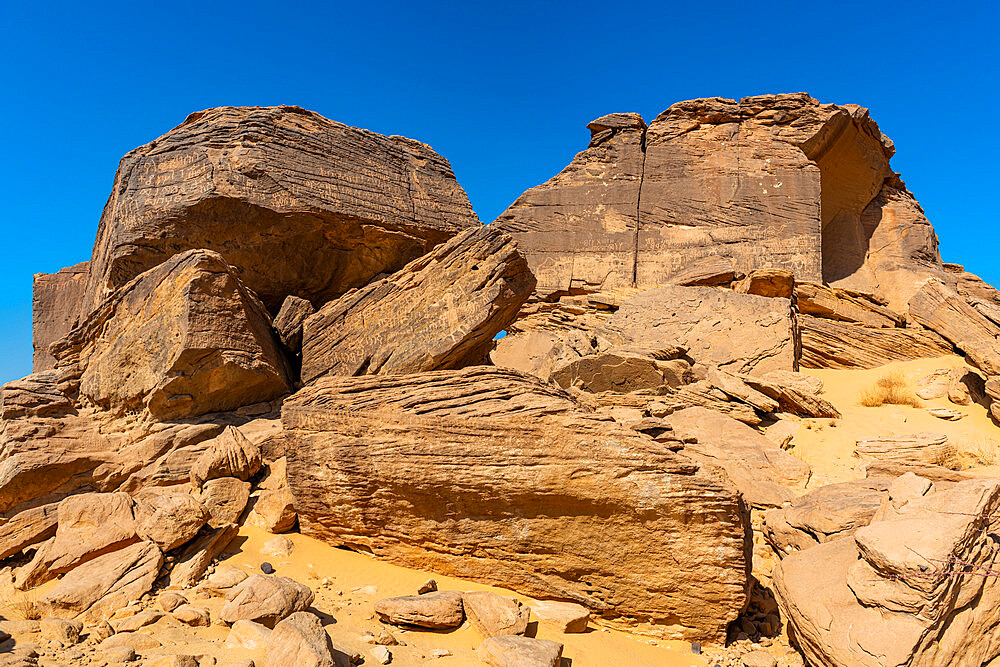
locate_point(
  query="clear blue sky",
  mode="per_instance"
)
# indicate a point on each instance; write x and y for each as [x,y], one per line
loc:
[501,89]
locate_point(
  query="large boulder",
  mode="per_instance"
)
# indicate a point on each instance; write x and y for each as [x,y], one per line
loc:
[440,311]
[300,204]
[740,333]
[497,477]
[834,344]
[266,600]
[55,307]
[917,586]
[299,640]
[182,339]
[944,311]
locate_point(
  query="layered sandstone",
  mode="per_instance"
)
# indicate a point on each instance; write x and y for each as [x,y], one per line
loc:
[55,307]
[299,203]
[437,478]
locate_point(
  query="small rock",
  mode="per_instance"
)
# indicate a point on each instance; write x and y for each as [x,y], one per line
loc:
[279,546]
[428,586]
[569,617]
[382,655]
[494,615]
[266,600]
[194,616]
[515,650]
[118,655]
[440,653]
[366,590]
[266,568]
[758,659]
[442,609]
[139,642]
[385,638]
[101,631]
[696,648]
[172,661]
[171,601]
[140,620]
[248,635]
[61,630]
[945,413]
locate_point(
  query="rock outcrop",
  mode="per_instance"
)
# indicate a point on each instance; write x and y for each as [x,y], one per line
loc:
[832,344]
[944,311]
[180,340]
[298,203]
[55,308]
[914,587]
[438,455]
[439,312]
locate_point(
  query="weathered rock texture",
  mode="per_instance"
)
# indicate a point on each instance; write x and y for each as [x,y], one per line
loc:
[738,332]
[832,344]
[300,204]
[941,309]
[779,181]
[441,311]
[182,339]
[432,479]
[55,307]
[915,587]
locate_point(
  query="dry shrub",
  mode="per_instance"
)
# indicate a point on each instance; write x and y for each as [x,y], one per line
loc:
[24,607]
[980,451]
[890,389]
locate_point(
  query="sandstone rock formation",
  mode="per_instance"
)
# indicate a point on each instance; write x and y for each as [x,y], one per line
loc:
[832,344]
[300,204]
[944,311]
[55,307]
[182,339]
[438,610]
[914,587]
[437,453]
[439,312]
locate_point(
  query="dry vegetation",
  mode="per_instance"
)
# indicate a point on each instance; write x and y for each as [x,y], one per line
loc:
[980,451]
[23,607]
[890,389]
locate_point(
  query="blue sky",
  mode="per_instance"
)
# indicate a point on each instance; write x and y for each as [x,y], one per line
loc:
[503,90]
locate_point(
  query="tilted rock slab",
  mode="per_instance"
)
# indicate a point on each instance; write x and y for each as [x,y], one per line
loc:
[832,344]
[300,204]
[182,339]
[740,333]
[915,587]
[439,312]
[494,476]
[944,311]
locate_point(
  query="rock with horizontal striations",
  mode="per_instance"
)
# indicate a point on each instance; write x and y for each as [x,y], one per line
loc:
[925,448]
[440,311]
[898,592]
[55,307]
[824,514]
[844,306]
[578,229]
[701,394]
[36,395]
[736,388]
[288,322]
[940,309]
[740,333]
[490,443]
[230,454]
[764,474]
[140,620]
[266,599]
[539,352]
[569,617]
[832,344]
[300,204]
[495,615]
[182,339]
[106,583]
[775,283]
[441,609]
[621,371]
[514,651]
[708,271]
[300,640]
[27,528]
[792,394]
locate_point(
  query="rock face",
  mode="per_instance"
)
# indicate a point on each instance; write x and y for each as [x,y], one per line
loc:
[55,306]
[182,339]
[832,344]
[300,204]
[912,588]
[777,181]
[622,371]
[439,312]
[739,332]
[944,311]
[439,456]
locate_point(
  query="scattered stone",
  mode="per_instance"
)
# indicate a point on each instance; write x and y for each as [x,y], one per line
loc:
[568,617]
[266,568]
[117,655]
[195,616]
[382,655]
[279,547]
[442,609]
[248,634]
[428,586]
[758,659]
[170,601]
[140,620]
[138,642]
[517,651]
[61,630]
[494,615]
[299,639]
[224,579]
[945,413]
[266,599]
